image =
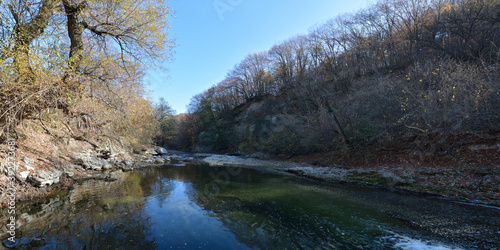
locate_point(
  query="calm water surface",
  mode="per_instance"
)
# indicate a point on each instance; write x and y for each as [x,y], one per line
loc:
[200,207]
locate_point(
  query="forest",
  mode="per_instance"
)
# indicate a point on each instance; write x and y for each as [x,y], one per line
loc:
[417,73]
[420,73]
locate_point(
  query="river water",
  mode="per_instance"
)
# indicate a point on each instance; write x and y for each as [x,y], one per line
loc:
[201,207]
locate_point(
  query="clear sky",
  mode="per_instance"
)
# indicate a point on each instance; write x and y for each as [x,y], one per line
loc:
[214,35]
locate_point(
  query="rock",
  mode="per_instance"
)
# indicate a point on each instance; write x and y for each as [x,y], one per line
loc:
[161,151]
[176,157]
[45,178]
[150,151]
[23,175]
[69,174]
[128,163]
[127,168]
[28,167]
[159,160]
[103,162]
[93,164]
[71,167]
[80,161]
[27,217]
[148,160]
[104,153]
[114,162]
[96,167]
[28,160]
[106,167]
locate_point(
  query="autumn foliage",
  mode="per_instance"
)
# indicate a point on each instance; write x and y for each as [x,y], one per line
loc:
[397,69]
[84,59]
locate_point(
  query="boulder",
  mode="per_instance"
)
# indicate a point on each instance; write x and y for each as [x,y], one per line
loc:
[158,160]
[149,151]
[161,151]
[23,175]
[45,178]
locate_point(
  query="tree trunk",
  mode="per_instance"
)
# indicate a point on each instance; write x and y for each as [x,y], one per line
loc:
[338,128]
[75,33]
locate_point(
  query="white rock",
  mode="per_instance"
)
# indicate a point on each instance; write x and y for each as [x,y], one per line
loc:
[23,175]
[28,167]
[28,160]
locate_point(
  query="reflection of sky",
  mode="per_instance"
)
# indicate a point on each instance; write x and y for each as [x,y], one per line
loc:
[177,222]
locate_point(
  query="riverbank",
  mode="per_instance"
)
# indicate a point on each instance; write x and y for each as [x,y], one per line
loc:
[478,185]
[422,181]
[47,163]
[36,164]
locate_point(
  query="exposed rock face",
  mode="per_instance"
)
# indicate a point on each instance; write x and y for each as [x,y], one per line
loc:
[92,163]
[266,125]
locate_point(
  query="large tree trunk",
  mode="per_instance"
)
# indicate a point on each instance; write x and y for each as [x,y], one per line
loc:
[75,33]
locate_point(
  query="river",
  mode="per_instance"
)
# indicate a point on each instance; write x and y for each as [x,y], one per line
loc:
[201,207]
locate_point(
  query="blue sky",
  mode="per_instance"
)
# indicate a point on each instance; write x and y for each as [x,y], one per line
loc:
[214,35]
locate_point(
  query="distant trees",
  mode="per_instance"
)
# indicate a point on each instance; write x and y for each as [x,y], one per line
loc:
[167,123]
[399,56]
[83,57]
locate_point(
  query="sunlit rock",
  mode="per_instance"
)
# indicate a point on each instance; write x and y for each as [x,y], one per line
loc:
[161,151]
[23,175]
[45,178]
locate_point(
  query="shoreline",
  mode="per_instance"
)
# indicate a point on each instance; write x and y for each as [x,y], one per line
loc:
[374,178]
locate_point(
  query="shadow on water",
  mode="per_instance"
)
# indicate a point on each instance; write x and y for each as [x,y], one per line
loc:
[193,207]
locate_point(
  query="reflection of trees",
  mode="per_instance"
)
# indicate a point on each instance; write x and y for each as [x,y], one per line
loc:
[161,190]
[260,210]
[94,214]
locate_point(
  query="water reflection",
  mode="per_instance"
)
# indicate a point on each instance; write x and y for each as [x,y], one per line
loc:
[100,214]
[190,207]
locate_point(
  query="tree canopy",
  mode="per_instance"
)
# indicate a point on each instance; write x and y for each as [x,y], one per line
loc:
[86,58]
